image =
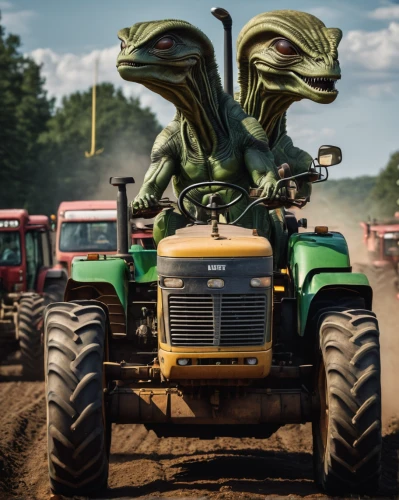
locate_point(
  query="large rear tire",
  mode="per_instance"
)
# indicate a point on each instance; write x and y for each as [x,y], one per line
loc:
[347,430]
[77,427]
[30,314]
[55,292]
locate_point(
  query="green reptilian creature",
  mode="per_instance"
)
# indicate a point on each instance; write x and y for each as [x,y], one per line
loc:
[210,137]
[285,56]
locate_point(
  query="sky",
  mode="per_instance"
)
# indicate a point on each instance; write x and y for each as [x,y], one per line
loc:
[66,37]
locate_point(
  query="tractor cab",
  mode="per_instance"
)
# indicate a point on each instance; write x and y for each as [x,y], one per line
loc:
[382,241]
[26,278]
[25,250]
[83,227]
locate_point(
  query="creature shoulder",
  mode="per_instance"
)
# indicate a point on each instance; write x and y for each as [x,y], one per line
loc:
[168,141]
[246,125]
[254,129]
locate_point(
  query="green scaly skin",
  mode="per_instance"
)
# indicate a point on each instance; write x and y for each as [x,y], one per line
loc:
[270,81]
[210,138]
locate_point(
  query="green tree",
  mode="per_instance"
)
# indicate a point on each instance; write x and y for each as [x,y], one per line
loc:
[125,130]
[385,194]
[25,111]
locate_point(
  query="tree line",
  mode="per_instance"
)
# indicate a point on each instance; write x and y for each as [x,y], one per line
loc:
[42,146]
[368,197]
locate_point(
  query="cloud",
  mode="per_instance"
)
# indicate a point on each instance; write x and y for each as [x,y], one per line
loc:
[18,21]
[381,90]
[303,134]
[373,50]
[68,73]
[385,13]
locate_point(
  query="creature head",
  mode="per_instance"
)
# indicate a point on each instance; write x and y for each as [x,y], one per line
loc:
[167,55]
[290,53]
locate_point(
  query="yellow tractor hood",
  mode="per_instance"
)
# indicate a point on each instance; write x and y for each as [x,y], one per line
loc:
[196,241]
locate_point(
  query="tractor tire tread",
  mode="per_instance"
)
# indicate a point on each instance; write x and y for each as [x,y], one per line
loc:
[78,463]
[30,313]
[349,344]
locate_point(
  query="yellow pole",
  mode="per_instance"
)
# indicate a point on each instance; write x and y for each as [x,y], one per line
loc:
[93,116]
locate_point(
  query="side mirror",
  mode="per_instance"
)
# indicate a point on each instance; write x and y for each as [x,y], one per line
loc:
[329,155]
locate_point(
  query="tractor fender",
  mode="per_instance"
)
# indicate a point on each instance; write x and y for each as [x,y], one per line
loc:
[103,293]
[330,284]
[47,276]
[98,274]
[319,262]
[310,252]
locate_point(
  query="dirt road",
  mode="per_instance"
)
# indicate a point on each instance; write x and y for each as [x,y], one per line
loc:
[143,466]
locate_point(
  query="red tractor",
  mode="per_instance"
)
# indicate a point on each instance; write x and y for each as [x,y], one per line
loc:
[89,226]
[142,234]
[382,240]
[27,283]
[83,227]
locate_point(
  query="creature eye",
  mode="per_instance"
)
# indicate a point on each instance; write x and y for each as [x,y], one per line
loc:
[123,45]
[285,48]
[164,43]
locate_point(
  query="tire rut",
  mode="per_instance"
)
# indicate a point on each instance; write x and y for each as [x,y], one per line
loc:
[21,423]
[143,466]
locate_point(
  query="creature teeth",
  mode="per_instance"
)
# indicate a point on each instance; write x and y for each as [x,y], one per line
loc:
[314,83]
[133,64]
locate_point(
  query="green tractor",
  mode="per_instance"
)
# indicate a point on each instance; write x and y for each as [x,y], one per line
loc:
[203,337]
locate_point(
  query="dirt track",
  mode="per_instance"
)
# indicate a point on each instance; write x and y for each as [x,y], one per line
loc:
[143,466]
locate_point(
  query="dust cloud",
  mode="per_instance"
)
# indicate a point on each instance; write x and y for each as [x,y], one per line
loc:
[339,216]
[125,164]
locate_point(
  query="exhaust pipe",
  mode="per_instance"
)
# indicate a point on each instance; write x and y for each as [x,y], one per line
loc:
[122,215]
[227,22]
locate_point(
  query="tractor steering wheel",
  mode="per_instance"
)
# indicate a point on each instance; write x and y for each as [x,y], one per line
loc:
[183,195]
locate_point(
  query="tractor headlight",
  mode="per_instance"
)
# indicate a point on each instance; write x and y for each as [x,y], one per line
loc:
[251,361]
[215,283]
[184,361]
[173,283]
[261,282]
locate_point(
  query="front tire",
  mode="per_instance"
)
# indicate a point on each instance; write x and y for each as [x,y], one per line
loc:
[347,430]
[76,417]
[30,314]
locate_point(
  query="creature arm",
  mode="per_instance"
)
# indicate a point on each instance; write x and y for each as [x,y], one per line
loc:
[161,171]
[299,160]
[156,180]
[259,160]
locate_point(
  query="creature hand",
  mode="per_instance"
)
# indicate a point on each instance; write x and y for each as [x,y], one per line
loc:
[144,201]
[268,185]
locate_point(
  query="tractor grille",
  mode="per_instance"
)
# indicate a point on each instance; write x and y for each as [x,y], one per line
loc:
[191,319]
[217,320]
[243,319]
